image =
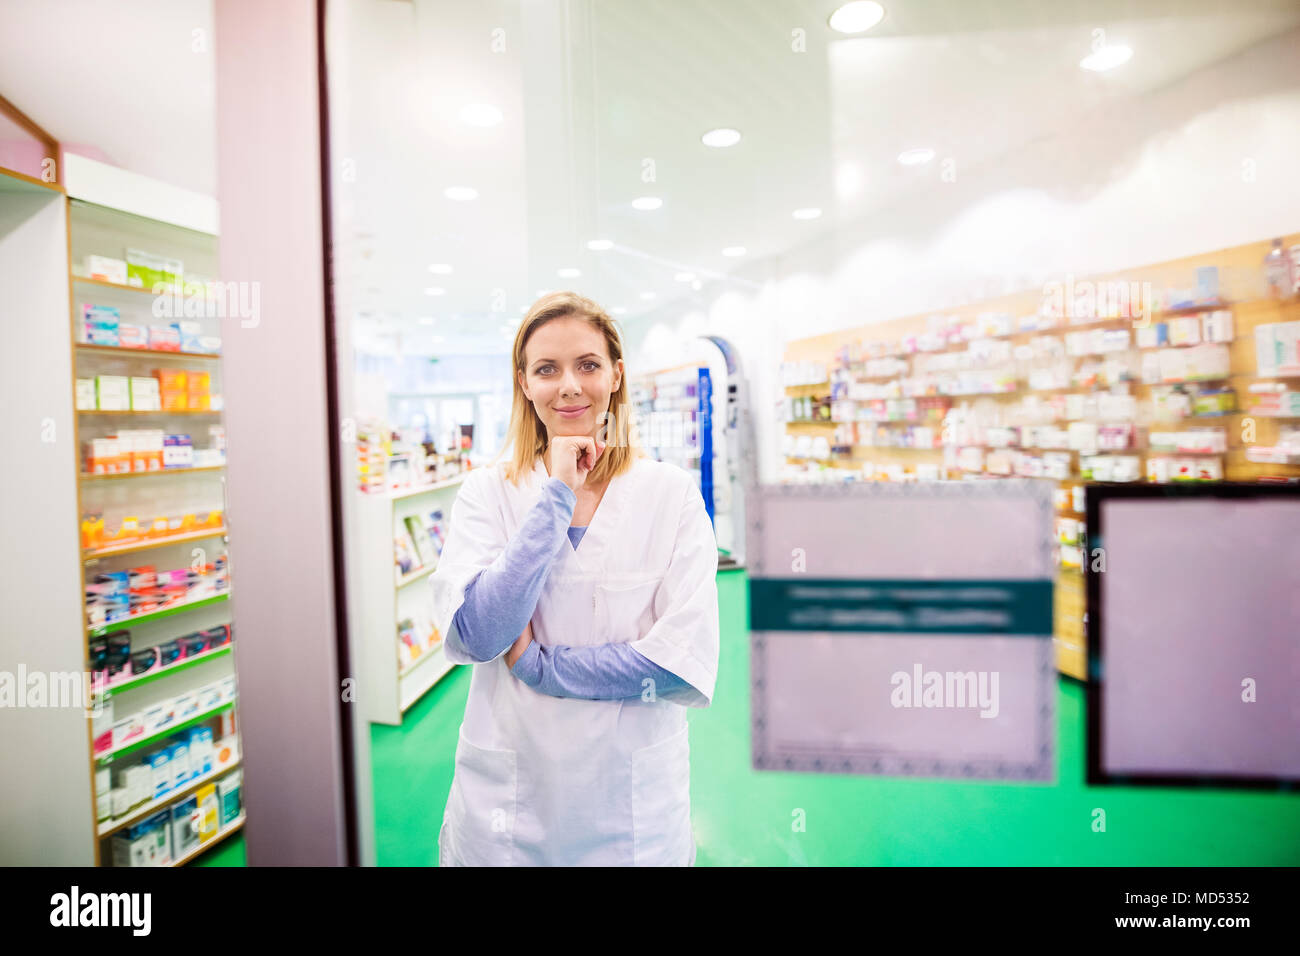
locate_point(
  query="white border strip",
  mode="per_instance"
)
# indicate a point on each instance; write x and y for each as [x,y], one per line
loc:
[118,188]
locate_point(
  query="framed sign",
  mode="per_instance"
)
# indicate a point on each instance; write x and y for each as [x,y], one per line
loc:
[903,629]
[1194,635]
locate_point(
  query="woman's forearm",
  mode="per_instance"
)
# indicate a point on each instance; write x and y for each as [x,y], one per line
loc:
[596,672]
[500,601]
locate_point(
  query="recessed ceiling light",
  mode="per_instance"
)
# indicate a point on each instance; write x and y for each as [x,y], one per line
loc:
[461,193]
[569,273]
[721,138]
[647,202]
[523,310]
[480,114]
[426,320]
[618,310]
[600,245]
[435,290]
[1107,58]
[915,157]
[734,251]
[439,338]
[811,212]
[647,296]
[848,181]
[440,269]
[685,277]
[856,17]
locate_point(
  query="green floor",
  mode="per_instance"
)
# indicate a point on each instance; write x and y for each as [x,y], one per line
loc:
[743,817]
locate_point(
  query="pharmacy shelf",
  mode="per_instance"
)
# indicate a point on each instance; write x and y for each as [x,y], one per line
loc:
[416,575]
[155,412]
[119,286]
[157,472]
[109,827]
[422,675]
[382,598]
[116,753]
[420,661]
[425,489]
[152,543]
[129,622]
[230,828]
[183,664]
[118,350]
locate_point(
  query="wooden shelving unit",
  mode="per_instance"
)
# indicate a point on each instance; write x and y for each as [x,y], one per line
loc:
[1236,265]
[102,230]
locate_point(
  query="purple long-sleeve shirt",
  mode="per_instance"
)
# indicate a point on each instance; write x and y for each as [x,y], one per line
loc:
[500,601]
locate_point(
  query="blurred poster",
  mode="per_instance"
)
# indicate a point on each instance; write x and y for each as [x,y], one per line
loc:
[903,629]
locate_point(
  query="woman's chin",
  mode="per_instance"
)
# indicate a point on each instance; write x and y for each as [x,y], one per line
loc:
[571,427]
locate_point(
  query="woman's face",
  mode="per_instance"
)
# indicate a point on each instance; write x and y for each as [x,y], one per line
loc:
[568,376]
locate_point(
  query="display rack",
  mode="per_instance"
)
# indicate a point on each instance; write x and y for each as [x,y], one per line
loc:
[674,409]
[165,772]
[1007,387]
[402,660]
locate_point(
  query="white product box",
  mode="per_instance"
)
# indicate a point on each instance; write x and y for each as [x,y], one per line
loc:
[228,685]
[180,760]
[106,268]
[112,393]
[209,696]
[161,773]
[85,394]
[128,729]
[186,706]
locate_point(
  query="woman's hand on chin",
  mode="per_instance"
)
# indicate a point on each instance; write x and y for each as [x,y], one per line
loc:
[572,457]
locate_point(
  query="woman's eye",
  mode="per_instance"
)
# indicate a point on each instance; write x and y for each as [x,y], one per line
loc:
[590,366]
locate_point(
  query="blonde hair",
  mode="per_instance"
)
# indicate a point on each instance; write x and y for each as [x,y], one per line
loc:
[527,434]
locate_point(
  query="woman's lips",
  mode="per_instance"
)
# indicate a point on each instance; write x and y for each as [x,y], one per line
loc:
[572,414]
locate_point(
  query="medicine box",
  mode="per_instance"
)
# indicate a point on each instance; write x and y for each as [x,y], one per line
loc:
[185,831]
[229,793]
[112,393]
[180,761]
[106,268]
[85,394]
[209,812]
[160,771]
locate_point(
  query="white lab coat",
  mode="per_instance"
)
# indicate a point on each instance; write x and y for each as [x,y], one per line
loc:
[544,780]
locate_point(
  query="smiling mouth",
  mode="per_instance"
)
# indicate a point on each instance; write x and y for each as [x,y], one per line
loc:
[573,411]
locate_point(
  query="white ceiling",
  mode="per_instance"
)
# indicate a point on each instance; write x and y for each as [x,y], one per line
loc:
[593,89]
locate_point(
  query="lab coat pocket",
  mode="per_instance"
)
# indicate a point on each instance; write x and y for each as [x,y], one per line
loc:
[661,802]
[481,810]
[625,608]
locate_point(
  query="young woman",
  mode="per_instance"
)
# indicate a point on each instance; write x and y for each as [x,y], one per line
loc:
[579,579]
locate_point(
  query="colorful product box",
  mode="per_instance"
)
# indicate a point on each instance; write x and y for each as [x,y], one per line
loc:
[131,336]
[209,812]
[164,338]
[100,324]
[160,772]
[229,791]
